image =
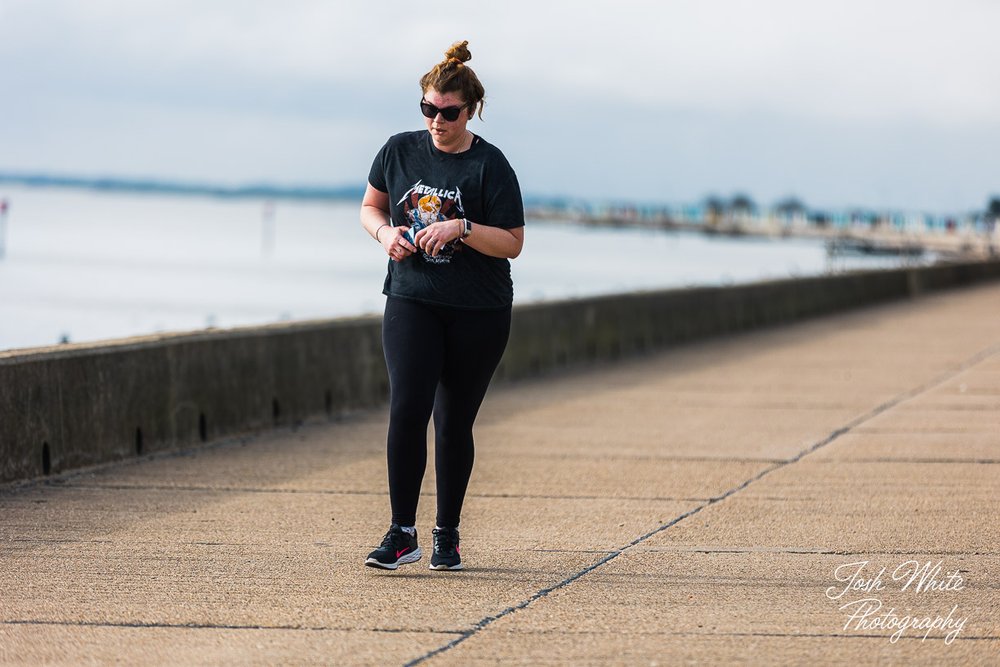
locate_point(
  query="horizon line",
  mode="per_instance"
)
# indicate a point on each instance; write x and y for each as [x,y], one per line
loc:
[351,192]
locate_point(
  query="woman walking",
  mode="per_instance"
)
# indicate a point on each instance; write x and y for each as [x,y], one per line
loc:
[446,207]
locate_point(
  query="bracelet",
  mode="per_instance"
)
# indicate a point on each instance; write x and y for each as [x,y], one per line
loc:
[384,224]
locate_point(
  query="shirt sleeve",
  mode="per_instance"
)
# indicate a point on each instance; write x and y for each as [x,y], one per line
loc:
[376,176]
[504,206]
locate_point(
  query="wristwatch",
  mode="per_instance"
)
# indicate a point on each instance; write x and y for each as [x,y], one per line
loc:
[468,228]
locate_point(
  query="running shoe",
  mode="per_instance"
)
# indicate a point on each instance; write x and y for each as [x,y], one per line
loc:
[446,555]
[398,548]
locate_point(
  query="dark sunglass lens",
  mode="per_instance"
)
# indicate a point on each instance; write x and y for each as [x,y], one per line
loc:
[450,114]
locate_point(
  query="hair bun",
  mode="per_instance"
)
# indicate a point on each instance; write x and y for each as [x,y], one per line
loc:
[459,51]
[452,75]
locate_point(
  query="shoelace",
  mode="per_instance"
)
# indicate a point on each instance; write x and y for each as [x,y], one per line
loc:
[445,541]
[393,540]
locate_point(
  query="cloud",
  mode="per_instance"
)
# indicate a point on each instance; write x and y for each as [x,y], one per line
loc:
[855,60]
[848,59]
[589,95]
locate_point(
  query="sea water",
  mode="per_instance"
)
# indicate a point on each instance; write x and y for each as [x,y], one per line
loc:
[86,265]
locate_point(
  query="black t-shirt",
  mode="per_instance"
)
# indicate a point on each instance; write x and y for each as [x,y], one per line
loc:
[429,185]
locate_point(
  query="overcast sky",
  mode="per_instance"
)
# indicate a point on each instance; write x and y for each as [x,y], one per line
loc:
[892,103]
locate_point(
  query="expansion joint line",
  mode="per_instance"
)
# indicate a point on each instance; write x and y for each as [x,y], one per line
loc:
[972,361]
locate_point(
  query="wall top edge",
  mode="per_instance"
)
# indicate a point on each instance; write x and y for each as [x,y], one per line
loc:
[69,350]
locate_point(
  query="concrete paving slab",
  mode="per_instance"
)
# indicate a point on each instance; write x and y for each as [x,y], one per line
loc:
[348,456]
[751,593]
[846,526]
[856,507]
[701,433]
[583,477]
[46,516]
[989,366]
[934,420]
[71,645]
[683,383]
[225,559]
[861,445]
[564,524]
[568,647]
[973,389]
[244,586]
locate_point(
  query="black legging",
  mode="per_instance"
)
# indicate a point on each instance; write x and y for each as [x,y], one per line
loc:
[440,360]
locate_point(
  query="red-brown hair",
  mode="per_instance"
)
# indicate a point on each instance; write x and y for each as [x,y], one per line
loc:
[452,76]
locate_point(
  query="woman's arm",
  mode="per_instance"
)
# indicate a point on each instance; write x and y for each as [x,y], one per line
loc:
[492,241]
[374,210]
[375,220]
[496,241]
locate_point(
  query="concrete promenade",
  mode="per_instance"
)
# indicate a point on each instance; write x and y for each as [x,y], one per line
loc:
[693,506]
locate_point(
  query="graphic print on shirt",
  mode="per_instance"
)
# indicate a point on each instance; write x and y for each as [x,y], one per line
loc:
[426,205]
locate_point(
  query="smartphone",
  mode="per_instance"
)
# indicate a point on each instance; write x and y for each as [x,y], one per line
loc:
[411,233]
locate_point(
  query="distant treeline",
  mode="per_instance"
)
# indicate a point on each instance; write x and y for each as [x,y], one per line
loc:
[710,208]
[253,191]
[258,191]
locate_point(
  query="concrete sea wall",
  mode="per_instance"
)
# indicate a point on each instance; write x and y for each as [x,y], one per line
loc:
[76,405]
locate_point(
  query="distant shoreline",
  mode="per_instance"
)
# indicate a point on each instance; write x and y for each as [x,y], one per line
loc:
[141,186]
[857,230]
[352,193]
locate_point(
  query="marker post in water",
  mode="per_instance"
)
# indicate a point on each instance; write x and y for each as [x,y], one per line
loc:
[4,207]
[267,230]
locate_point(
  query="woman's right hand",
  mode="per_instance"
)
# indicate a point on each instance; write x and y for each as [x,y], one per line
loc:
[395,244]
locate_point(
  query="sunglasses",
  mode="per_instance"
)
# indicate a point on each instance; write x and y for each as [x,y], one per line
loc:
[450,114]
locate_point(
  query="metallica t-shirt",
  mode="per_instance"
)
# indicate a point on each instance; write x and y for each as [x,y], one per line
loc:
[427,185]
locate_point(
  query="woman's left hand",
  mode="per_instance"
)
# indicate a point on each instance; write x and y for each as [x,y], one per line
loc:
[435,236]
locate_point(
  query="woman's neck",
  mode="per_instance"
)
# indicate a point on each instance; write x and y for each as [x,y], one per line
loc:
[462,146]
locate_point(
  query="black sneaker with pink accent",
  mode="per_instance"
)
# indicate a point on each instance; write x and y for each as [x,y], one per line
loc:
[446,555]
[398,548]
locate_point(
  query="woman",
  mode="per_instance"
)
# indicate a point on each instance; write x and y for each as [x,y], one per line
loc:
[446,207]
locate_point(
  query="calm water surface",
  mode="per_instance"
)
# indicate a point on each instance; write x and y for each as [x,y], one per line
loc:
[87,266]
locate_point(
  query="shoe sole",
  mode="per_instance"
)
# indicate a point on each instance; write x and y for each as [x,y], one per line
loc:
[443,567]
[411,557]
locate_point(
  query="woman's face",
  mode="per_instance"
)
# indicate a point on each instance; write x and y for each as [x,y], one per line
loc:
[448,136]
